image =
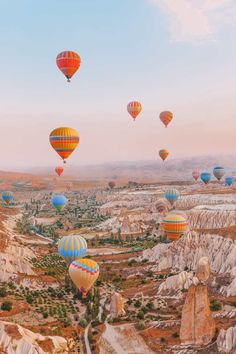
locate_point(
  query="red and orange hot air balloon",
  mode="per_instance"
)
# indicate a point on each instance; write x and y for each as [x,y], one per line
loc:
[166,117]
[59,170]
[163,154]
[68,62]
[134,108]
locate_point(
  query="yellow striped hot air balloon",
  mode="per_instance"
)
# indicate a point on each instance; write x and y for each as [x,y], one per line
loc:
[64,140]
[163,154]
[175,225]
[72,247]
[84,272]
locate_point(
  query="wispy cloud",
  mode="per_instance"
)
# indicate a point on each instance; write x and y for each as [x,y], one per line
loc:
[197,20]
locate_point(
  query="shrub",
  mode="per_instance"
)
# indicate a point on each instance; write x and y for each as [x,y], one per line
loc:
[137,303]
[175,335]
[6,306]
[140,315]
[3,292]
[214,305]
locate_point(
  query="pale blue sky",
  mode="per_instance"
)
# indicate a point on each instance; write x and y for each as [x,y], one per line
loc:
[177,58]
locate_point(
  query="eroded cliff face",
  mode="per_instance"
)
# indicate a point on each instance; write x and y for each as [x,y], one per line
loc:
[15,339]
[186,252]
[226,340]
[197,324]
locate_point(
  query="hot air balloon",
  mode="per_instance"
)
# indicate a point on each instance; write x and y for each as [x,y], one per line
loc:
[111,184]
[84,272]
[64,141]
[59,170]
[205,177]
[59,201]
[163,154]
[134,108]
[218,172]
[174,225]
[166,117]
[196,174]
[68,62]
[69,186]
[8,197]
[172,195]
[162,205]
[229,180]
[72,247]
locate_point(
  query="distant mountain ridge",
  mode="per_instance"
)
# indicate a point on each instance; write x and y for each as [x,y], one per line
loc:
[173,169]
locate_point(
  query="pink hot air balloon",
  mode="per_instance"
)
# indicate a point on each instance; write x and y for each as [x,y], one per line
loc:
[196,174]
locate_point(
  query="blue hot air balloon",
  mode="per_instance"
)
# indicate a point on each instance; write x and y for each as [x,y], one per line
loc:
[8,197]
[72,247]
[59,201]
[172,195]
[218,172]
[229,181]
[205,177]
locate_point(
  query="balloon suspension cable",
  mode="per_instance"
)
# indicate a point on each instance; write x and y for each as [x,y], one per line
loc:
[68,79]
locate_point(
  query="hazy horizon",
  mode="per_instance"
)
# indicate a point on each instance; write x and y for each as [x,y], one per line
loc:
[181,58]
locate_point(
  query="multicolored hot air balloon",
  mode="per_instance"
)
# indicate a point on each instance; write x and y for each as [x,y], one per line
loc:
[68,62]
[174,225]
[72,247]
[196,174]
[162,206]
[8,197]
[59,170]
[111,184]
[59,201]
[205,177]
[134,108]
[84,273]
[172,195]
[163,154]
[218,172]
[166,117]
[229,181]
[64,141]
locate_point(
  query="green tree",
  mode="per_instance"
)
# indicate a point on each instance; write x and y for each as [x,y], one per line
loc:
[6,306]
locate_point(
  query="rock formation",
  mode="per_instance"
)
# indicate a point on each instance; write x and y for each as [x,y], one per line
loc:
[186,252]
[174,284]
[203,270]
[117,305]
[15,339]
[197,324]
[226,340]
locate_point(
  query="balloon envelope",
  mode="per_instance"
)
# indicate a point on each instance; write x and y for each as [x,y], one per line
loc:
[229,180]
[218,172]
[166,117]
[196,174]
[72,247]
[59,170]
[84,273]
[64,140]
[162,205]
[134,108]
[172,195]
[205,177]
[68,62]
[8,197]
[59,201]
[111,184]
[175,225]
[163,154]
